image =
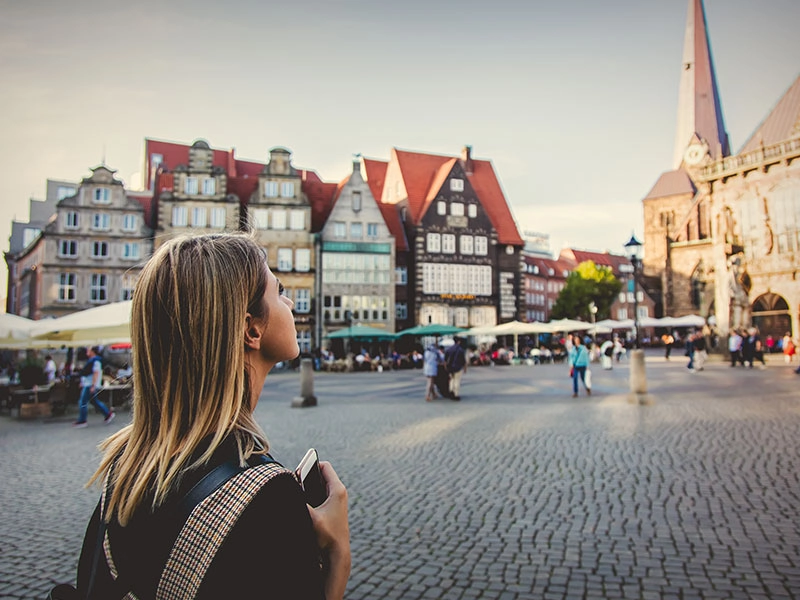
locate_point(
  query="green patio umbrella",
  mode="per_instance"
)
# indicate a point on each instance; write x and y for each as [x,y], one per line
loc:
[361,332]
[435,329]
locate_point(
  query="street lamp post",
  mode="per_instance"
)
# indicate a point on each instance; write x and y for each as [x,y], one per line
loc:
[638,376]
[634,249]
[593,314]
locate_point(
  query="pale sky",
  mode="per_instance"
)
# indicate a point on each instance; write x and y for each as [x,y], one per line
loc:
[574,102]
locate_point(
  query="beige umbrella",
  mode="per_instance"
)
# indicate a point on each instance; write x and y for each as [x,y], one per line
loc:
[101,325]
[14,330]
[517,328]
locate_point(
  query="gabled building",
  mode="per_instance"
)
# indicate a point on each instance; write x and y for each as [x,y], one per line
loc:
[357,250]
[463,262]
[722,229]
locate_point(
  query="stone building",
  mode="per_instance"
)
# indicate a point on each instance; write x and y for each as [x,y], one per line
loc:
[89,253]
[722,229]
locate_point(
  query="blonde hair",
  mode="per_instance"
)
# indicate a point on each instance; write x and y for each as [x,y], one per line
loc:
[190,378]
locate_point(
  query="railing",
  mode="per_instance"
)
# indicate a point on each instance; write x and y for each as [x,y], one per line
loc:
[751,160]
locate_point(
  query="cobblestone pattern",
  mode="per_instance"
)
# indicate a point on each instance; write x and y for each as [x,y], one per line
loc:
[519,491]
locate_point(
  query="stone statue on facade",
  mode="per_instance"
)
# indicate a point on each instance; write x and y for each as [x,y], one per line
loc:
[740,285]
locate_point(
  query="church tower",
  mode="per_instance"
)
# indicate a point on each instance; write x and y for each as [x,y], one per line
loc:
[701,128]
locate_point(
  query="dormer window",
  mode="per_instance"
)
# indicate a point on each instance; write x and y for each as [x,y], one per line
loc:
[287,189]
[101,196]
[356,201]
[456,185]
[190,186]
[270,189]
[457,209]
[209,187]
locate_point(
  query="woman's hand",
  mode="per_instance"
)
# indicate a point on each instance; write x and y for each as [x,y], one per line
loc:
[333,532]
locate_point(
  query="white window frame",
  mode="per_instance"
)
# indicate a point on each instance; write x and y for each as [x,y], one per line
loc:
[67,249]
[278,218]
[284,259]
[302,260]
[180,216]
[100,250]
[101,221]
[297,219]
[448,243]
[199,216]
[372,230]
[456,185]
[261,218]
[466,244]
[339,230]
[98,288]
[218,217]
[101,195]
[131,251]
[72,219]
[472,210]
[287,189]
[356,202]
[302,300]
[457,209]
[190,186]
[130,222]
[401,275]
[209,186]
[441,208]
[481,245]
[127,286]
[356,230]
[67,285]
[433,243]
[270,189]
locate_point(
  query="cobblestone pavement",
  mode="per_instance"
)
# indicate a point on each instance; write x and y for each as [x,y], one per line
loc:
[518,491]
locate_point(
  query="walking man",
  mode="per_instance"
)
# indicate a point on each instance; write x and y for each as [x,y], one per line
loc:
[91,379]
[456,361]
[735,347]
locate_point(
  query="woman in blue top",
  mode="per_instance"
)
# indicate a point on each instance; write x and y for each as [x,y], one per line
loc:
[579,361]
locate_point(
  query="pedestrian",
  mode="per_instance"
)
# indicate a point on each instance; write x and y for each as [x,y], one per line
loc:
[91,385]
[690,348]
[700,351]
[606,352]
[456,361]
[579,362]
[668,341]
[208,322]
[788,348]
[770,343]
[619,349]
[431,358]
[50,368]
[735,347]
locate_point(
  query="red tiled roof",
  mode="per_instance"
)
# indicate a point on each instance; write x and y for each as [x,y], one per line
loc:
[493,200]
[375,171]
[672,183]
[781,124]
[321,198]
[604,259]
[418,171]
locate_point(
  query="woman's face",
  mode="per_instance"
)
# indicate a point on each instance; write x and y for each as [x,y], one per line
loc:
[279,340]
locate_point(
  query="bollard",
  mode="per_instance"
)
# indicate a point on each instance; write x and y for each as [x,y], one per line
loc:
[638,379]
[306,397]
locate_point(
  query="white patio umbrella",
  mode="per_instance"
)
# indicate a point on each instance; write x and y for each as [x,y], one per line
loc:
[14,330]
[517,328]
[569,325]
[106,324]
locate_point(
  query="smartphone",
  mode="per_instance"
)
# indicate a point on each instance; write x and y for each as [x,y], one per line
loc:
[310,476]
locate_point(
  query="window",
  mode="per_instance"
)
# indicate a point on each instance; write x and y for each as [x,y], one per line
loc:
[101,196]
[284,259]
[270,189]
[129,222]
[99,249]
[456,185]
[130,250]
[441,208]
[434,242]
[218,218]
[68,248]
[401,311]
[127,285]
[179,216]
[482,245]
[101,221]
[457,209]
[448,243]
[472,210]
[401,275]
[339,230]
[64,192]
[71,220]
[466,243]
[29,234]
[287,189]
[297,220]
[66,287]
[190,185]
[622,314]
[302,300]
[98,291]
[304,340]
[356,230]
[278,219]
[209,186]
[372,230]
[199,214]
[302,258]
[261,218]
[356,201]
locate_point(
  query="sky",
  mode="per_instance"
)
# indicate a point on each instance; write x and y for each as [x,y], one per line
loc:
[574,102]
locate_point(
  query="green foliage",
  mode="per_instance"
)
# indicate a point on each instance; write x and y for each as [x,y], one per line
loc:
[586,284]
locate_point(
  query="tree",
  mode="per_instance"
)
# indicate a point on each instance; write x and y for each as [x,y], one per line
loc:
[587,283]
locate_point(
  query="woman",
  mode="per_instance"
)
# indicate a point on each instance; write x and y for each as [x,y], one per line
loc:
[579,361]
[431,360]
[208,322]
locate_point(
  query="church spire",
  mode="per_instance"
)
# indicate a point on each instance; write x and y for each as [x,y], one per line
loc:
[699,109]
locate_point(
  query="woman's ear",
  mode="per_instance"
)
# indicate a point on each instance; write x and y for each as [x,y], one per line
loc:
[253,331]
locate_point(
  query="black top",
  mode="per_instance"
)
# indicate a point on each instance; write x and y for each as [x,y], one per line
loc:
[270,552]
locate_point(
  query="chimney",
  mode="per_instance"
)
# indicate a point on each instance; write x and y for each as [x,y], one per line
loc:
[466,157]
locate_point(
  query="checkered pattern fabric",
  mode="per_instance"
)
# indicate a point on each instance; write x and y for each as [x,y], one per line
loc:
[203,533]
[206,529]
